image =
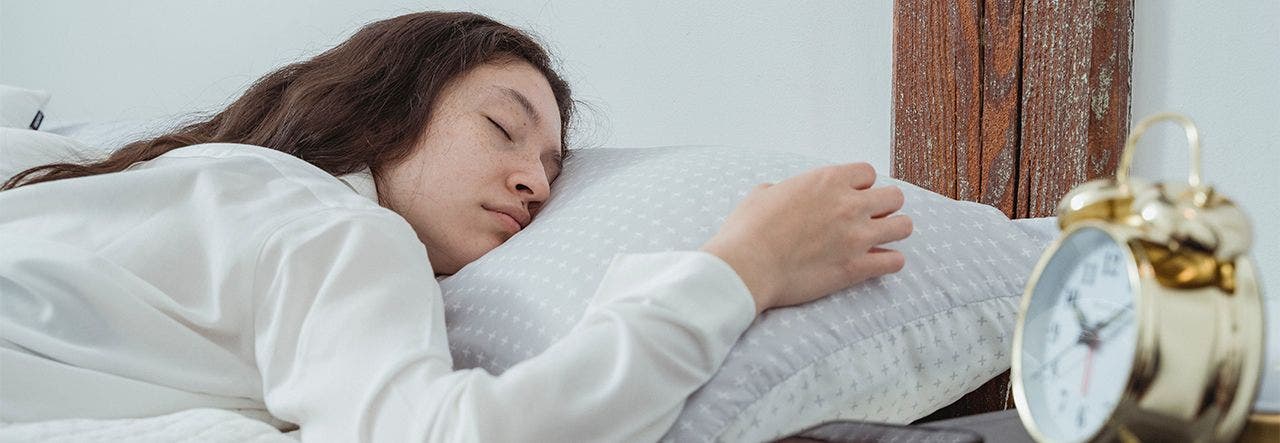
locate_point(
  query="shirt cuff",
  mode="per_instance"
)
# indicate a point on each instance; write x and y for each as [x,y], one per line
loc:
[702,287]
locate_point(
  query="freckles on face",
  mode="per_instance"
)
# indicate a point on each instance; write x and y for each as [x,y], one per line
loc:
[484,164]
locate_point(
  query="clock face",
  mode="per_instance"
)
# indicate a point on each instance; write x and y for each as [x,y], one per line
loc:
[1079,336]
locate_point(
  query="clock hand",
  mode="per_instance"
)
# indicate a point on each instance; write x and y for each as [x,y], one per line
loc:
[1092,337]
[1103,324]
[1089,337]
[1089,334]
[1073,299]
[1088,369]
[1053,361]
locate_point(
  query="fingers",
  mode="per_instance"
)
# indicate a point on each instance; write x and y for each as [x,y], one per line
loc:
[858,175]
[890,229]
[884,200]
[880,261]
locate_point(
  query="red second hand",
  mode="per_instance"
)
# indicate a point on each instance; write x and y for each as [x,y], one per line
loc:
[1088,369]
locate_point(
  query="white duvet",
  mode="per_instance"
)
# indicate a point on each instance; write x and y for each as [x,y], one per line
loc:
[202,425]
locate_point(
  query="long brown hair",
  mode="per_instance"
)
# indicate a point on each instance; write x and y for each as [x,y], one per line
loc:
[360,105]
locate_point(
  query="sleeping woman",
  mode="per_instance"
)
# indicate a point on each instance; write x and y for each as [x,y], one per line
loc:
[279,258]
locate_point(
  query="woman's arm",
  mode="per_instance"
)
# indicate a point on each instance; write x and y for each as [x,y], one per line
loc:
[351,343]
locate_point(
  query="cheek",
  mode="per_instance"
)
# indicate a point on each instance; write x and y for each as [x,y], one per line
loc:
[410,189]
[436,172]
[439,201]
[440,187]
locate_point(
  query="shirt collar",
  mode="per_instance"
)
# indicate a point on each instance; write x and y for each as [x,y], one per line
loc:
[362,183]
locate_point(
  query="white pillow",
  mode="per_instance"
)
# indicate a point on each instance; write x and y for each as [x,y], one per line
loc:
[113,135]
[21,108]
[21,149]
[891,349]
[74,142]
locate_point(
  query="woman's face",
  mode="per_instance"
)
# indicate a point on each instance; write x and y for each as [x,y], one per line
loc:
[483,167]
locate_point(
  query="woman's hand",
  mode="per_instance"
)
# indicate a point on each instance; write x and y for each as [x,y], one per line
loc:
[812,235]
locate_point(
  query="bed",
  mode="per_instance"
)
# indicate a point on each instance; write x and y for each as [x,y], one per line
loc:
[1011,124]
[889,349]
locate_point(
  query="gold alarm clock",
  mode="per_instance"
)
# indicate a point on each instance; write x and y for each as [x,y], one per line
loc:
[1143,321]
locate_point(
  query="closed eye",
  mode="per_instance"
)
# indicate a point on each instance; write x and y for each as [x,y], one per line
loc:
[500,128]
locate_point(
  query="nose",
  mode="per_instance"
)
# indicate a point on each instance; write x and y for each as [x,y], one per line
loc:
[531,185]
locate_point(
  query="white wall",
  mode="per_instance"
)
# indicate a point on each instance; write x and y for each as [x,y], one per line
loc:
[812,79]
[1219,63]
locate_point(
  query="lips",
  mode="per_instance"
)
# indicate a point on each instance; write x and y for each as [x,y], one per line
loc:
[512,218]
[512,226]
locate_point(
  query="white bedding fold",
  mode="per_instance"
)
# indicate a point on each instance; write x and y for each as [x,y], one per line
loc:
[203,425]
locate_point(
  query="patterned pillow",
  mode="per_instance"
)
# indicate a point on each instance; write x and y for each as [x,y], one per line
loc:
[891,349]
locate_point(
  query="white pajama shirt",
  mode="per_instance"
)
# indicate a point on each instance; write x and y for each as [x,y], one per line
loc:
[238,277]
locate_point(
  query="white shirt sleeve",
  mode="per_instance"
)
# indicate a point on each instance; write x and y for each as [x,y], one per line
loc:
[350,342]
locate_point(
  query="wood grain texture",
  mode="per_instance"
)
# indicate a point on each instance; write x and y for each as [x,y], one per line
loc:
[1001,104]
[964,23]
[924,93]
[1075,97]
[1010,103]
[956,98]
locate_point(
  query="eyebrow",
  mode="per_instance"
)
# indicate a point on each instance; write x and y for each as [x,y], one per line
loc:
[524,103]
